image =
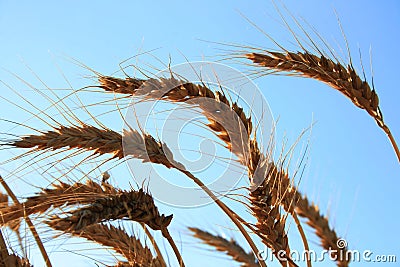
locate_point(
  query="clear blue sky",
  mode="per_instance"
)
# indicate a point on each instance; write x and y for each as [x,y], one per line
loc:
[351,172]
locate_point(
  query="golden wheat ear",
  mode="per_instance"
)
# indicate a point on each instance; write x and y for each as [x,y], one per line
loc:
[116,238]
[137,206]
[341,77]
[230,247]
[329,238]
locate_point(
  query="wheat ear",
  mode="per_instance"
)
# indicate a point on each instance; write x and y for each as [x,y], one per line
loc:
[137,206]
[116,238]
[100,141]
[338,76]
[230,247]
[320,223]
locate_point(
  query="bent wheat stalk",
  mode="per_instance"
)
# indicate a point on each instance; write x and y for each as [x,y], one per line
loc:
[29,223]
[342,78]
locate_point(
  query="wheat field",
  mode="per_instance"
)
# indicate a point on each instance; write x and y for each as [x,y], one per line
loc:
[118,148]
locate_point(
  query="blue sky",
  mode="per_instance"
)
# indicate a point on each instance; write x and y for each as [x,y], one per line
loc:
[352,171]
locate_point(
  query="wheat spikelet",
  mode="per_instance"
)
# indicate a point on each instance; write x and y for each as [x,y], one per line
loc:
[230,247]
[265,207]
[116,238]
[3,200]
[116,85]
[135,205]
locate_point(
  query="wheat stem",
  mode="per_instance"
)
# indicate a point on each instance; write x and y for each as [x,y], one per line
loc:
[393,142]
[171,241]
[29,222]
[154,243]
[303,236]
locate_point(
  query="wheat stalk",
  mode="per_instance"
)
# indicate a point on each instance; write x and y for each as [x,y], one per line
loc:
[338,76]
[230,247]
